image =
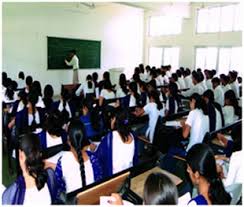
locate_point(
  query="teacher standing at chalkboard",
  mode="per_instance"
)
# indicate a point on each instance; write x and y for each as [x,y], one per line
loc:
[74,62]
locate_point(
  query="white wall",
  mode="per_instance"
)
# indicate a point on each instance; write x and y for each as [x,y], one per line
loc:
[188,39]
[26,26]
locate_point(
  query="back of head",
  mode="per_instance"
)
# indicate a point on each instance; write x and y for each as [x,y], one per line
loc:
[173,88]
[33,97]
[89,81]
[122,125]
[36,85]
[106,75]
[133,87]
[195,75]
[159,190]
[48,91]
[216,80]
[77,140]
[21,75]
[28,80]
[209,94]
[73,51]
[179,73]
[199,103]
[30,145]
[94,76]
[154,94]
[54,122]
[175,77]
[201,159]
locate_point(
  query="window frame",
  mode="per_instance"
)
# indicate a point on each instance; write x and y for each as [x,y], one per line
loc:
[220,20]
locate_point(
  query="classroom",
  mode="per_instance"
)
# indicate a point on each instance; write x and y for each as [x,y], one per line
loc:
[121,103]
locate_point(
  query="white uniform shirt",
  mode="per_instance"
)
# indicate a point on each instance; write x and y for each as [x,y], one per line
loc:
[153,113]
[120,93]
[209,84]
[218,120]
[71,172]
[84,87]
[226,87]
[108,95]
[74,62]
[235,172]
[34,196]
[188,81]
[122,153]
[235,87]
[21,83]
[30,118]
[182,83]
[199,124]
[229,115]
[194,89]
[219,95]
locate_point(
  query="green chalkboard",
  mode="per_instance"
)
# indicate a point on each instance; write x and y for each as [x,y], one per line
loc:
[88,52]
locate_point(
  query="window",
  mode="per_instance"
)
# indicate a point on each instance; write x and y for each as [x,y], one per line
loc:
[230,59]
[206,57]
[222,59]
[164,25]
[219,19]
[155,56]
[164,56]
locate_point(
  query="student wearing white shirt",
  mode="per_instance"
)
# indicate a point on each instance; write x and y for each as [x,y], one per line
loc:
[187,78]
[77,167]
[154,109]
[36,85]
[122,90]
[209,76]
[134,97]
[87,87]
[147,74]
[159,189]
[35,185]
[74,62]
[225,82]
[21,80]
[106,94]
[197,122]
[180,79]
[28,82]
[233,83]
[218,91]
[174,79]
[196,88]
[118,149]
[172,102]
[231,110]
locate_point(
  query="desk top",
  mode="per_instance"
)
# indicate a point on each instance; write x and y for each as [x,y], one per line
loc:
[137,183]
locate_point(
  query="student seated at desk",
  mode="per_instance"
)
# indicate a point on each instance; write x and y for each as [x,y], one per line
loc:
[197,122]
[159,189]
[173,100]
[202,170]
[92,121]
[35,185]
[231,110]
[154,109]
[122,90]
[215,114]
[53,133]
[48,97]
[28,83]
[64,105]
[118,149]
[106,94]
[21,80]
[133,99]
[88,88]
[77,167]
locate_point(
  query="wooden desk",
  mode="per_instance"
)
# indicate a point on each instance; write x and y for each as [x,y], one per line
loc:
[137,183]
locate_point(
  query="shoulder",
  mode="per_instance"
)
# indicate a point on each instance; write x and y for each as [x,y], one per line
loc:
[199,200]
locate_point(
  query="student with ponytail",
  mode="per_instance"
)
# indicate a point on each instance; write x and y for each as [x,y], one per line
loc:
[202,170]
[35,185]
[197,122]
[118,149]
[78,167]
[88,87]
[64,105]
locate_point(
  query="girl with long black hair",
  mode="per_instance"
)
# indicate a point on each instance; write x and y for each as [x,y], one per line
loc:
[201,166]
[35,185]
[85,166]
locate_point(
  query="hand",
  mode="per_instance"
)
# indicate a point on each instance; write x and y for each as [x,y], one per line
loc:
[222,138]
[116,200]
[220,171]
[182,123]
